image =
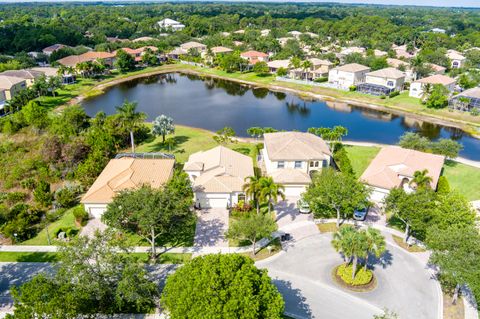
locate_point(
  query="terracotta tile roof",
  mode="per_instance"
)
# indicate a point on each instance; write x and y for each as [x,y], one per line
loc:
[393,162]
[295,146]
[125,173]
[389,73]
[73,60]
[290,176]
[253,54]
[221,170]
[437,79]
[217,50]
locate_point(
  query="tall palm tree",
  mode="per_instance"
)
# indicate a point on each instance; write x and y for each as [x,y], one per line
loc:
[306,65]
[130,118]
[270,191]
[352,244]
[252,190]
[426,91]
[295,63]
[375,243]
[421,179]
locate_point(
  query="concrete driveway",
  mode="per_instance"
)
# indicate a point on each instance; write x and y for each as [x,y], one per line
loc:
[303,276]
[211,226]
[290,220]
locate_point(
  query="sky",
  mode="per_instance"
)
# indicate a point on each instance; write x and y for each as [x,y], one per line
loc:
[438,3]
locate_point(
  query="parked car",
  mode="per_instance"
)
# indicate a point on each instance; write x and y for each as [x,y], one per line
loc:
[360,213]
[303,207]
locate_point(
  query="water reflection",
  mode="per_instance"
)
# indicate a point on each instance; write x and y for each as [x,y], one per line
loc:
[214,103]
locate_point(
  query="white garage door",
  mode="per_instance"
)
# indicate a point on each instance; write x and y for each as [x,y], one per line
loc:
[378,195]
[212,200]
[96,212]
[294,190]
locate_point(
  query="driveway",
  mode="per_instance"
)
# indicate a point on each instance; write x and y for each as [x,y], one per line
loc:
[303,276]
[290,220]
[211,226]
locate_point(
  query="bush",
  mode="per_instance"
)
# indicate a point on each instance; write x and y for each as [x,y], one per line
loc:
[352,88]
[66,197]
[81,216]
[475,112]
[15,197]
[70,232]
[241,207]
[394,94]
[343,162]
[363,277]
[383,97]
[42,194]
[54,215]
[443,186]
[322,79]
[29,183]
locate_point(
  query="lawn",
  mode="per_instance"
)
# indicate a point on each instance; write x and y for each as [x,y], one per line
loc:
[275,247]
[27,257]
[463,178]
[412,248]
[191,140]
[327,227]
[360,157]
[67,220]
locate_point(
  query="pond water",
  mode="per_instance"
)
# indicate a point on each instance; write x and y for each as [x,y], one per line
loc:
[213,104]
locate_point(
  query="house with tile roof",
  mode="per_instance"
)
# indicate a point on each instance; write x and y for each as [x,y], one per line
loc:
[395,166]
[122,174]
[382,82]
[10,86]
[290,158]
[254,56]
[28,75]
[456,58]
[343,77]
[218,176]
[170,24]
[55,47]
[91,56]
[417,88]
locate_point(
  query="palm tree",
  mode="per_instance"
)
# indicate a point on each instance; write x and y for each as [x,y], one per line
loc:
[421,179]
[426,91]
[269,191]
[252,190]
[295,63]
[375,243]
[305,66]
[130,118]
[352,244]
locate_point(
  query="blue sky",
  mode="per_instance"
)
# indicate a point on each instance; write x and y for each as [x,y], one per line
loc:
[439,3]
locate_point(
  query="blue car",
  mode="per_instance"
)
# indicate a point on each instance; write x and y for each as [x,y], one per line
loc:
[360,213]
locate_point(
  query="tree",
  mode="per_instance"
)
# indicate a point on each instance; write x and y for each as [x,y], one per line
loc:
[352,244]
[295,63]
[375,243]
[333,135]
[124,61]
[261,68]
[130,118]
[251,187]
[221,286]
[255,132]
[94,275]
[438,98]
[270,191]
[162,126]
[42,194]
[414,141]
[443,187]
[427,90]
[282,72]
[446,147]
[252,228]
[306,65]
[456,250]
[224,135]
[421,179]
[35,115]
[152,213]
[340,192]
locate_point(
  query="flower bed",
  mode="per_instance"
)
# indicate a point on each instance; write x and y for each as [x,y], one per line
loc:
[364,279]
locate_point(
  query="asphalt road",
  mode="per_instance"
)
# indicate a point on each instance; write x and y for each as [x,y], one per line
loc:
[303,276]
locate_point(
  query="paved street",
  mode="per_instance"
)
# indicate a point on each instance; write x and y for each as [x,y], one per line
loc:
[303,275]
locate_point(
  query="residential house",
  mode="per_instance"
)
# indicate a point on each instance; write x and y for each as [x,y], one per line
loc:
[395,166]
[319,68]
[237,43]
[3,99]
[457,59]
[194,46]
[116,39]
[295,34]
[265,32]
[218,176]
[403,66]
[143,39]
[438,30]
[170,24]
[50,49]
[241,31]
[382,82]
[401,51]
[437,69]
[11,85]
[351,50]
[53,72]
[277,64]
[379,53]
[137,53]
[220,50]
[122,174]
[72,60]
[345,76]
[417,88]
[283,41]
[254,56]
[466,101]
[291,158]
[28,75]
[311,34]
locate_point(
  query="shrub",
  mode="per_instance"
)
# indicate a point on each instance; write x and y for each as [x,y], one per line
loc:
[70,232]
[42,194]
[383,97]
[29,183]
[443,186]
[322,79]
[66,197]
[81,216]
[241,207]
[362,276]
[475,112]
[15,197]
[343,162]
[352,88]
[393,94]
[55,214]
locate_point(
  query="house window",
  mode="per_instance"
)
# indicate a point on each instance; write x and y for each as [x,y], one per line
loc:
[455,64]
[298,164]
[312,164]
[324,163]
[390,83]
[281,164]
[316,164]
[241,197]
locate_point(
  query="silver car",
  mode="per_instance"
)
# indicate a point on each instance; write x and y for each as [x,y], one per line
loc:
[360,213]
[303,207]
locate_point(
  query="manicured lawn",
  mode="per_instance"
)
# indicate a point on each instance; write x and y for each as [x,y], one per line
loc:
[463,178]
[327,227]
[451,311]
[67,220]
[413,248]
[191,140]
[275,245]
[27,257]
[166,258]
[360,157]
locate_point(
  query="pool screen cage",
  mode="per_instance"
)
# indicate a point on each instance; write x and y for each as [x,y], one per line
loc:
[374,89]
[460,103]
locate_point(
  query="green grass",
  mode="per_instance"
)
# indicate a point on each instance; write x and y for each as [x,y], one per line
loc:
[166,258]
[276,246]
[327,227]
[67,220]
[191,140]
[463,178]
[410,248]
[360,157]
[27,257]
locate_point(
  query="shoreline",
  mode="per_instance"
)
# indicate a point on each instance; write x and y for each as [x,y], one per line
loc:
[187,69]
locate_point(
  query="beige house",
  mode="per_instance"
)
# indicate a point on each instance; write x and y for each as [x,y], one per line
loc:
[28,75]
[389,78]
[192,45]
[122,174]
[343,77]
[46,70]
[170,24]
[277,64]
[290,158]
[318,69]
[417,88]
[11,85]
[50,49]
[73,60]
[456,58]
[395,166]
[220,50]
[218,176]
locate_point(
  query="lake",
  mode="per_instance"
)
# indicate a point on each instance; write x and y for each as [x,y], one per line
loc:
[213,104]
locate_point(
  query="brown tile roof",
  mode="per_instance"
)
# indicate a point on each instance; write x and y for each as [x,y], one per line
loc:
[295,146]
[253,54]
[125,173]
[393,162]
[23,74]
[221,170]
[73,60]
[437,79]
